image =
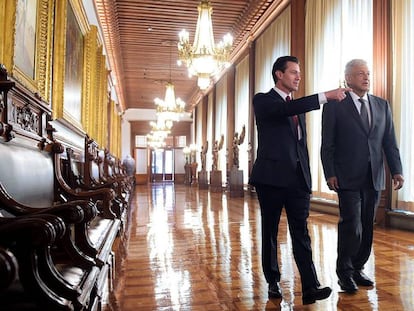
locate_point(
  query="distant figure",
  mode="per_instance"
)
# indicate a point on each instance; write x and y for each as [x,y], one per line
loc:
[129,164]
[203,156]
[216,148]
[237,140]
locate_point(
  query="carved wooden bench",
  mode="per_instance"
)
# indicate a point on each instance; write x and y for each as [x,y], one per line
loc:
[30,239]
[113,171]
[27,188]
[70,271]
[83,170]
[90,172]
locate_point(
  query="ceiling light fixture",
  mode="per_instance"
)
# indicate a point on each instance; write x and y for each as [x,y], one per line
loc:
[170,109]
[204,59]
[159,132]
[155,142]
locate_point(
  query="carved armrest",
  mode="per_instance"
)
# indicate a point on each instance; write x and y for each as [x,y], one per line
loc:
[71,212]
[30,231]
[31,238]
[103,197]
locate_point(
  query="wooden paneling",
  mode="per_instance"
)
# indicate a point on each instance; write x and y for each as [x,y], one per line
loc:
[141,39]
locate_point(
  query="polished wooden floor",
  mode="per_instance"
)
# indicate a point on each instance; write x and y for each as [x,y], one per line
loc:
[190,249]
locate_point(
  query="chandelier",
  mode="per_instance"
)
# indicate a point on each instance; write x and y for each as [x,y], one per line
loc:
[204,59]
[170,109]
[159,132]
[155,142]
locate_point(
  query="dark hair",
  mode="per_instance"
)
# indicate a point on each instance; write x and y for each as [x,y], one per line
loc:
[280,64]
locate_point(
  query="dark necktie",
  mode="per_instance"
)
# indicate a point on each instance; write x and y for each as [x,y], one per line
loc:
[364,115]
[294,118]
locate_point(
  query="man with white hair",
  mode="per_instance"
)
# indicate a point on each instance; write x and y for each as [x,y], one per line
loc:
[355,136]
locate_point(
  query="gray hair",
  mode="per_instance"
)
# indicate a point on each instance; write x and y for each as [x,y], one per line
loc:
[352,63]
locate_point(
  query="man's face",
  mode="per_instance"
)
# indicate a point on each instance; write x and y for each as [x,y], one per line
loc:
[358,79]
[288,81]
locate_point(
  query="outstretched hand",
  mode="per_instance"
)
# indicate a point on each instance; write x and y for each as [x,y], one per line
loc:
[337,94]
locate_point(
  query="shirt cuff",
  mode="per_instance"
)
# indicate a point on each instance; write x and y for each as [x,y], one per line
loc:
[322,98]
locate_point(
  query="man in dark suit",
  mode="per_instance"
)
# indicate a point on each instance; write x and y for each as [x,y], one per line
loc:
[281,174]
[355,135]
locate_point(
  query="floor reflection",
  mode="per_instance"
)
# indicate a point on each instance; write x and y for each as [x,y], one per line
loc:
[194,250]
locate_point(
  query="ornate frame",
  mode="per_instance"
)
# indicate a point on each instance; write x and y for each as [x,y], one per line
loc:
[94,107]
[40,84]
[51,36]
[94,75]
[60,52]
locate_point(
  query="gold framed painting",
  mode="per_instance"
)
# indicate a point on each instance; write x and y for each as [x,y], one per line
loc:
[25,47]
[72,92]
[79,71]
[71,27]
[31,44]
[95,83]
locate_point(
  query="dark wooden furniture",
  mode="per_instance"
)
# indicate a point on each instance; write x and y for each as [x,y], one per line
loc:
[8,268]
[62,237]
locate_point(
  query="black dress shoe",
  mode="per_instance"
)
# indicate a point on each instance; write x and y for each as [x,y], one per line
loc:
[311,295]
[274,290]
[361,279]
[348,285]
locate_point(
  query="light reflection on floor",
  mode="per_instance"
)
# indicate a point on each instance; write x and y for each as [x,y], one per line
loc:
[201,251]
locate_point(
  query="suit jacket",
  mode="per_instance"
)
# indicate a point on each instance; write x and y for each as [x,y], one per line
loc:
[279,150]
[347,148]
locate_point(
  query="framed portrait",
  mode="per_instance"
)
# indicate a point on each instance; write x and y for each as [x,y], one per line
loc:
[71,27]
[72,97]
[32,41]
[25,47]
[79,73]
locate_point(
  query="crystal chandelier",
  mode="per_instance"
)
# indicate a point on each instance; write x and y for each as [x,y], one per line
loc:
[155,142]
[204,59]
[159,132]
[170,109]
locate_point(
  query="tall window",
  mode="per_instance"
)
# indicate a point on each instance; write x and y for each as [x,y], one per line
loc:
[209,160]
[199,131]
[273,43]
[402,96]
[221,123]
[242,112]
[336,32]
